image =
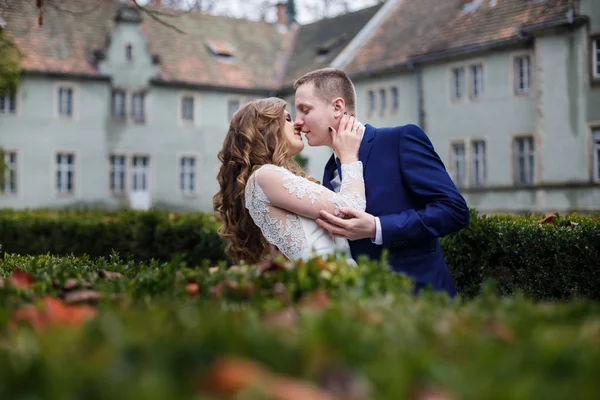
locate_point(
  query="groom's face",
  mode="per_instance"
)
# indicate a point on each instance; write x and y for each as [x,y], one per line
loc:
[314,116]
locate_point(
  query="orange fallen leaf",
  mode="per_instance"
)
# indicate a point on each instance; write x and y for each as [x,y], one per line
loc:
[500,330]
[284,388]
[322,264]
[231,375]
[109,275]
[192,289]
[52,312]
[548,220]
[82,296]
[58,312]
[281,319]
[318,299]
[20,279]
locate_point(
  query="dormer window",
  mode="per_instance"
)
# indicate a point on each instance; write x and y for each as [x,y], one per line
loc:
[330,45]
[470,5]
[219,49]
[129,52]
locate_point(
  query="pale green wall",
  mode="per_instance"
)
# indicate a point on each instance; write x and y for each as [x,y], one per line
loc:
[592,9]
[37,134]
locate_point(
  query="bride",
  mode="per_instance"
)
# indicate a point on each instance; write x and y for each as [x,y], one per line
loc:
[266,199]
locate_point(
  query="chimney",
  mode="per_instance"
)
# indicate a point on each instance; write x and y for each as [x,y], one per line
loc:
[282,23]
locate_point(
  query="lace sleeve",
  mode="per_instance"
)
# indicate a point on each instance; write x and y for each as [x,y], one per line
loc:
[298,195]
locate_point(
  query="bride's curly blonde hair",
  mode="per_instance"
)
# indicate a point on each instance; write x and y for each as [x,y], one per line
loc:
[256,137]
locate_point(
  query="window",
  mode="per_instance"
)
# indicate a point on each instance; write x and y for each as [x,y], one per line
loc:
[118,104]
[394,100]
[141,172]
[522,74]
[137,107]
[117,174]
[187,109]
[232,107]
[371,102]
[382,101]
[524,162]
[8,102]
[478,163]
[129,52]
[187,175]
[10,172]
[65,173]
[458,83]
[65,101]
[458,164]
[476,87]
[596,57]
[596,147]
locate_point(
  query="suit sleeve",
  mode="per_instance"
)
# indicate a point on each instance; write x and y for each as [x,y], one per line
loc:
[442,210]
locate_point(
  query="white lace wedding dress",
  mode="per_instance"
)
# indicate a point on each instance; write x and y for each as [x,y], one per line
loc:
[284,206]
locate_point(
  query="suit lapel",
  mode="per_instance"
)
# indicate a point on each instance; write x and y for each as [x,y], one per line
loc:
[366,144]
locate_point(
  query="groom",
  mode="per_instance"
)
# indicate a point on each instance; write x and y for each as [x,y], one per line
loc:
[411,200]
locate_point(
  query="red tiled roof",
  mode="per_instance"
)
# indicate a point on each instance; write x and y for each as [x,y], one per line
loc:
[66,43]
[419,27]
[264,58]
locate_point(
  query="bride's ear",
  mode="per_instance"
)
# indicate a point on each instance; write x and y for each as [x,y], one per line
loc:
[339,106]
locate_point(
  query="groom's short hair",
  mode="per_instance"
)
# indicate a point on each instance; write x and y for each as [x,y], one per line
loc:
[330,83]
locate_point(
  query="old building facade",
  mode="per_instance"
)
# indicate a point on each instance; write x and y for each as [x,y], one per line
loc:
[117,110]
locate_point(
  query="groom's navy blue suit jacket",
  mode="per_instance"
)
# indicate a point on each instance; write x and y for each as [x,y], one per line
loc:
[408,188]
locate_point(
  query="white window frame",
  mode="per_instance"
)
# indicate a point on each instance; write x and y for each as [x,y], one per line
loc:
[74,101]
[476,87]
[528,154]
[595,130]
[186,109]
[195,109]
[61,169]
[478,162]
[230,99]
[383,101]
[124,117]
[596,57]
[371,102]
[132,114]
[138,171]
[11,173]
[122,170]
[11,100]
[459,166]
[394,106]
[184,172]
[516,73]
[456,86]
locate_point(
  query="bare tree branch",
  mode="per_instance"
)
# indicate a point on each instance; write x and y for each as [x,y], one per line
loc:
[56,5]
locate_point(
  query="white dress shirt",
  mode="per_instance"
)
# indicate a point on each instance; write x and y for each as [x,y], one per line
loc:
[336,183]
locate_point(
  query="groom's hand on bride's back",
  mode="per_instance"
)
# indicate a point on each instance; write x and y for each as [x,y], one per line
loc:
[354,226]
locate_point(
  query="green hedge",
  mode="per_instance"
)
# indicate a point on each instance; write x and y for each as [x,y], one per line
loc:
[141,235]
[164,330]
[557,260]
[545,261]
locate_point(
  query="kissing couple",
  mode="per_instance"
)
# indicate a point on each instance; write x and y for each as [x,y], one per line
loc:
[383,188]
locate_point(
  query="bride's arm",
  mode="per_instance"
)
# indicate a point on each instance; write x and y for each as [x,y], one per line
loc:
[300,196]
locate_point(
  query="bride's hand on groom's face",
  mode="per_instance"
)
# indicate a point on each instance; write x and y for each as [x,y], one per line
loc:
[357,224]
[346,140]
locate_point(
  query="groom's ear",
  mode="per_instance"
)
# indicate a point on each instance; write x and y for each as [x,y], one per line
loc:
[339,106]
